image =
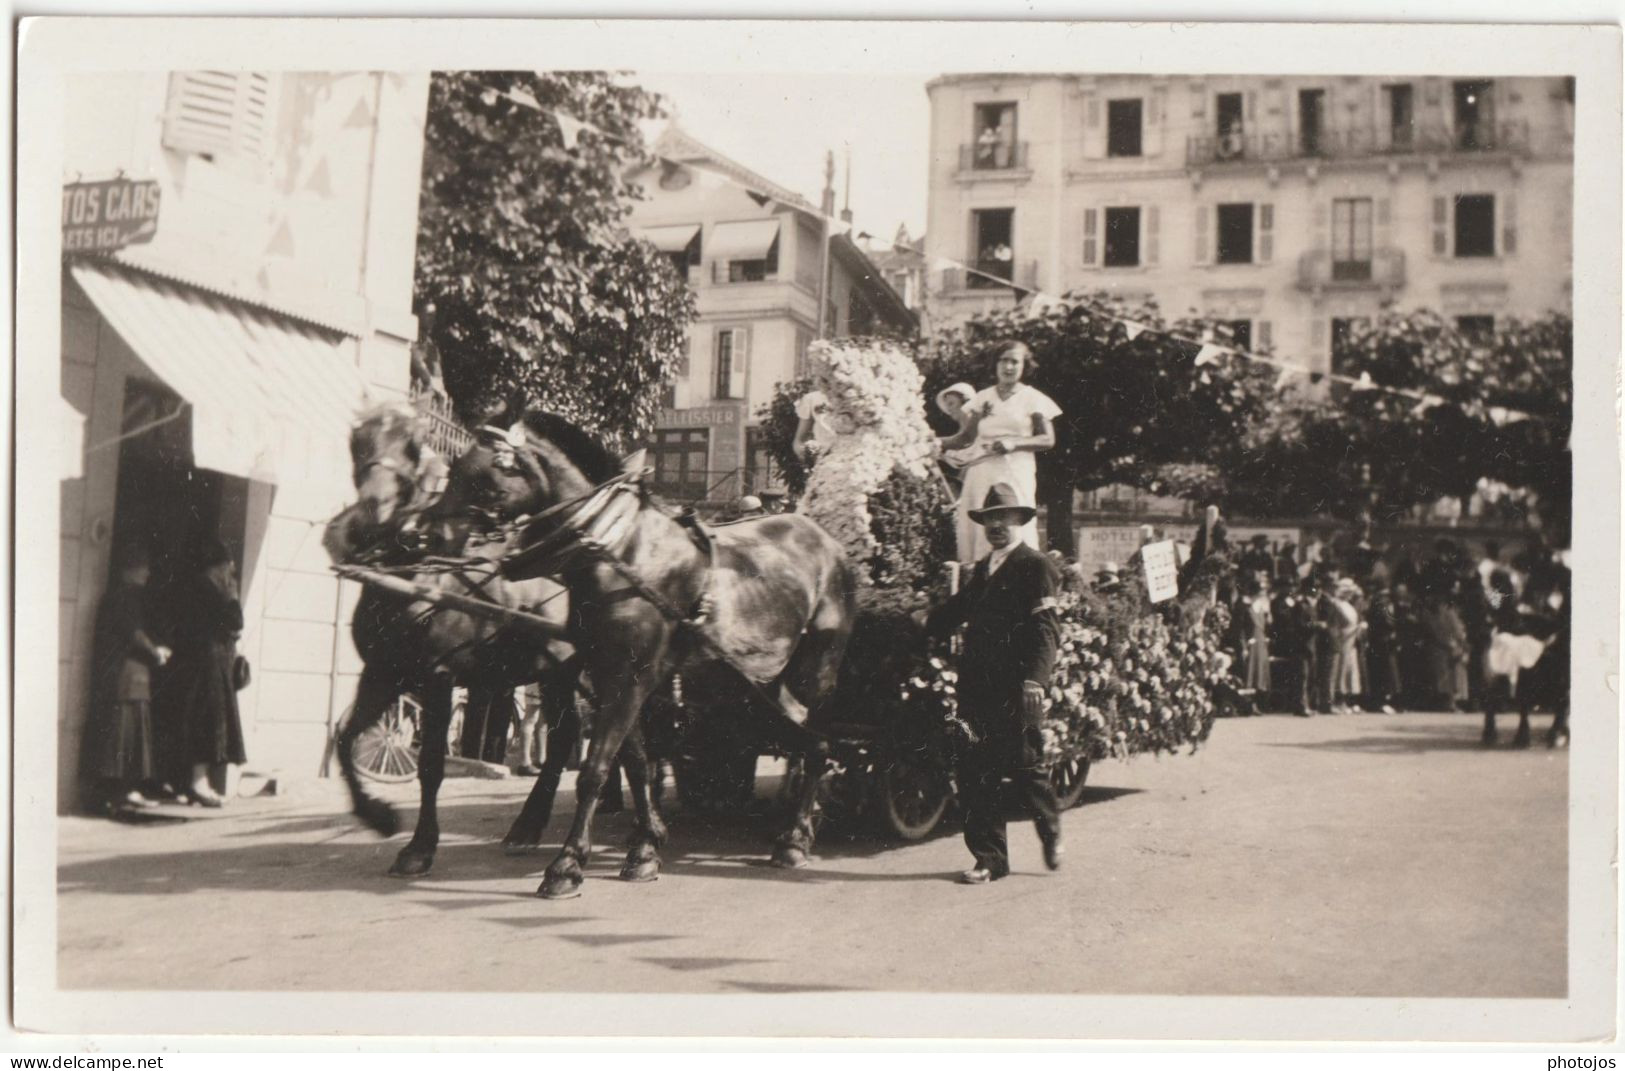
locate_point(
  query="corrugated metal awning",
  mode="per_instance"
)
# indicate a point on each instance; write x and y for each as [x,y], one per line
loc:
[272,399]
[746,240]
[672,239]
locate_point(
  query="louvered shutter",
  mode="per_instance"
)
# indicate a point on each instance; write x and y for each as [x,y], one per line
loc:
[221,112]
[1204,252]
[741,362]
[1156,114]
[1198,100]
[1266,233]
[1091,237]
[1317,336]
[1151,242]
[1094,128]
[1441,226]
[1385,229]
[1265,340]
[1509,226]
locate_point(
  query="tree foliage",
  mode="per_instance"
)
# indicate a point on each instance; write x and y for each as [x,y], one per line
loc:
[529,280]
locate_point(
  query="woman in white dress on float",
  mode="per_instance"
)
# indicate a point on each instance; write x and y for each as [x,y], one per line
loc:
[1008,425]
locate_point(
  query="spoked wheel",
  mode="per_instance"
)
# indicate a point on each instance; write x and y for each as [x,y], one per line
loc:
[388,751]
[1067,777]
[910,796]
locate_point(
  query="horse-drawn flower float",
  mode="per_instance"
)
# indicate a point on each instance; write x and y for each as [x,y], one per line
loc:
[1129,677]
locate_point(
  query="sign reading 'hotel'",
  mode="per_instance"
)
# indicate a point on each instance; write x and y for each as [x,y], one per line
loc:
[99,217]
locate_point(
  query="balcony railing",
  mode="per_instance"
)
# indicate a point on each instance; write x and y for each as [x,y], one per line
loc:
[1019,273]
[1511,135]
[1001,156]
[1319,270]
[442,431]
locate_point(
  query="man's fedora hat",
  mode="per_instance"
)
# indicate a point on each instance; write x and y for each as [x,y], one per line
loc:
[1002,498]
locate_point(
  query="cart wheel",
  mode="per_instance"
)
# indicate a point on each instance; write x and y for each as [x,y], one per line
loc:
[910,797]
[1067,777]
[388,751]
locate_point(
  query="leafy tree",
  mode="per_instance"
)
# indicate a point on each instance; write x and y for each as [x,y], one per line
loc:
[1135,411]
[527,276]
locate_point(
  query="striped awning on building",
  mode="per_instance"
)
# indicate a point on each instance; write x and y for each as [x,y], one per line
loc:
[272,399]
[673,239]
[743,240]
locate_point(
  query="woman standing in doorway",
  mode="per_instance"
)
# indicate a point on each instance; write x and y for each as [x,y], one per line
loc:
[1009,423]
[205,726]
[126,655]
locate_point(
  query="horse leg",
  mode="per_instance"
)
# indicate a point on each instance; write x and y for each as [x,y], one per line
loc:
[1525,701]
[417,857]
[1492,703]
[1558,734]
[809,679]
[563,732]
[620,699]
[648,831]
[373,694]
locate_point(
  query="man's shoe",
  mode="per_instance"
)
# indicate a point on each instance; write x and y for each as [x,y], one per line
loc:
[981,875]
[1054,850]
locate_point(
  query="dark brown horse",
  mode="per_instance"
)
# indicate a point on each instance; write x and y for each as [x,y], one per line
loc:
[410,644]
[757,617]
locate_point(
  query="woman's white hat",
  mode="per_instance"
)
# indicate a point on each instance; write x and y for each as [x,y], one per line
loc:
[958,388]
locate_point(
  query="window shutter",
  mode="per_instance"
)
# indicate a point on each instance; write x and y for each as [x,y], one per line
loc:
[1250,103]
[1091,240]
[1441,226]
[1156,113]
[1509,226]
[1265,339]
[1323,225]
[1198,100]
[1317,335]
[741,363]
[1384,231]
[1204,254]
[1153,225]
[1266,233]
[212,113]
[1094,130]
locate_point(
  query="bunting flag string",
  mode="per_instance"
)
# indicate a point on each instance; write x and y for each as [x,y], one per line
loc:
[1208,352]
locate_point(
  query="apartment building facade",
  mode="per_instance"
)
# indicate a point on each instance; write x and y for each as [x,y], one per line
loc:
[1291,207]
[768,279]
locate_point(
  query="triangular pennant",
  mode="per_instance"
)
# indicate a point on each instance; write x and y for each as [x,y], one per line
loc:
[761,199]
[1208,354]
[1041,303]
[1284,377]
[1364,382]
[320,182]
[360,115]
[1133,330]
[569,129]
[281,243]
[522,96]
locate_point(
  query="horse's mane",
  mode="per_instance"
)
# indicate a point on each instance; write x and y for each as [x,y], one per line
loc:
[586,451]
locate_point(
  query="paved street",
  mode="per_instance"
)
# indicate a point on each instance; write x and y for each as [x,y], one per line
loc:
[1358,855]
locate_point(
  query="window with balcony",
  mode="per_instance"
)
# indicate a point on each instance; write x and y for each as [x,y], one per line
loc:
[1311,120]
[1235,234]
[1344,330]
[1475,225]
[1477,328]
[755,270]
[1475,115]
[1401,113]
[1228,111]
[1351,239]
[1125,127]
[995,137]
[1122,249]
[992,252]
[732,361]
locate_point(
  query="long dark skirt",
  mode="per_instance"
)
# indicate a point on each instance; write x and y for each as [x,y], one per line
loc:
[202,723]
[124,749]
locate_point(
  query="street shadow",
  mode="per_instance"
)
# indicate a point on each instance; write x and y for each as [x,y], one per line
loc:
[1406,740]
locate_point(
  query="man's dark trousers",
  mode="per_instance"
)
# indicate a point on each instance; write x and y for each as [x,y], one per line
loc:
[985,803]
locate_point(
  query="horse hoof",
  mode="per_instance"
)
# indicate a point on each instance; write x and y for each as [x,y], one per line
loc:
[788,858]
[1521,740]
[411,864]
[648,870]
[1488,740]
[1557,740]
[559,888]
[379,817]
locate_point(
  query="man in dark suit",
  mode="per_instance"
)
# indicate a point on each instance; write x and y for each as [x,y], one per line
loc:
[1009,610]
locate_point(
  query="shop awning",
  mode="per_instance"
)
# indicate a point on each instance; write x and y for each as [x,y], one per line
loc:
[271,398]
[747,240]
[672,239]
